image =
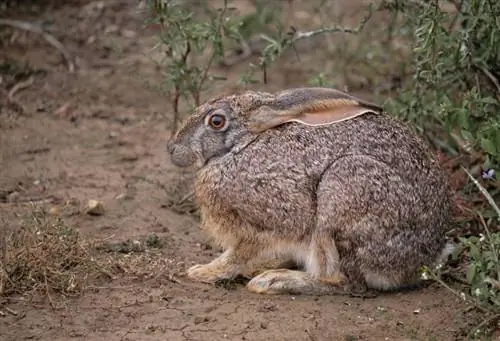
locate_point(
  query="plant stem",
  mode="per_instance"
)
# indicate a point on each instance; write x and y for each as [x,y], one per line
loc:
[298,35]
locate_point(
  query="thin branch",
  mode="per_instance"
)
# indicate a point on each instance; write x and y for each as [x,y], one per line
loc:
[177,90]
[461,295]
[48,38]
[175,106]
[204,76]
[484,192]
[491,77]
[493,247]
[208,66]
[298,35]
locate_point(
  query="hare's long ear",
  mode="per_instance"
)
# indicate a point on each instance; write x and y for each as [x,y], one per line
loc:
[309,106]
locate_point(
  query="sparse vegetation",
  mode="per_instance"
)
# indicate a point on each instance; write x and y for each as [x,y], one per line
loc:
[188,32]
[453,88]
[45,256]
[479,270]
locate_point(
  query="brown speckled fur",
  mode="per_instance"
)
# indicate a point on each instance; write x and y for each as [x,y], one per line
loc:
[359,203]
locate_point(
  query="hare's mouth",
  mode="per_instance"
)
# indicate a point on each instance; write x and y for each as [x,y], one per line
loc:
[181,156]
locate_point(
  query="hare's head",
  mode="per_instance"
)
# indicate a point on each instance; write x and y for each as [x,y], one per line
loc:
[224,123]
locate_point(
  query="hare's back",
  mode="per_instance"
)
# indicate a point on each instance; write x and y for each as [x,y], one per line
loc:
[386,139]
[380,136]
[401,155]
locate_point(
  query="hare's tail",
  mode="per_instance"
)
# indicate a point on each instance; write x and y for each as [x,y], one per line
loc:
[445,253]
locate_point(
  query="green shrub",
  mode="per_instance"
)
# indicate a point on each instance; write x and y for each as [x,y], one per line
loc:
[455,67]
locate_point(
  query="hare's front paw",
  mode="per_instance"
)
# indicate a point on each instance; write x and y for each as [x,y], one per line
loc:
[209,273]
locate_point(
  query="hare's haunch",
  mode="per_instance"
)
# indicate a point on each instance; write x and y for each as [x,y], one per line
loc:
[318,178]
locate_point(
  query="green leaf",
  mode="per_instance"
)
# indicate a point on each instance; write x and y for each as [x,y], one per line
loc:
[474,252]
[463,119]
[457,251]
[471,273]
[488,146]
[467,135]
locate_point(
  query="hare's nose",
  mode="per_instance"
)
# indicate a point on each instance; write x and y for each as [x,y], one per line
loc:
[180,155]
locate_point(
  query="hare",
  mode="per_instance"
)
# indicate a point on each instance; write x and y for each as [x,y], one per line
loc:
[319,178]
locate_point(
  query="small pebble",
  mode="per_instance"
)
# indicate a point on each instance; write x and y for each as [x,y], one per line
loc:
[54,211]
[200,319]
[129,34]
[91,39]
[111,29]
[95,207]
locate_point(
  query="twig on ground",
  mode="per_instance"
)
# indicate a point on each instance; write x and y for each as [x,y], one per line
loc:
[26,26]
[20,86]
[11,311]
[185,198]
[47,288]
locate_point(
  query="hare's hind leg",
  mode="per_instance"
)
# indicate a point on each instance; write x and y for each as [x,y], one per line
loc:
[264,264]
[324,265]
[321,276]
[285,281]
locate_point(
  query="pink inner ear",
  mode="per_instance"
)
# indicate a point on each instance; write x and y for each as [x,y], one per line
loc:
[331,116]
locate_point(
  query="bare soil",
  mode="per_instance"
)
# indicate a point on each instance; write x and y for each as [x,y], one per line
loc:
[100,134]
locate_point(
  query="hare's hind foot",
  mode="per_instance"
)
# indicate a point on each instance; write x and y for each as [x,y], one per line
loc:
[284,281]
[233,263]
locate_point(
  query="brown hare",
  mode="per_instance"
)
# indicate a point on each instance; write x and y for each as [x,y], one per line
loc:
[317,177]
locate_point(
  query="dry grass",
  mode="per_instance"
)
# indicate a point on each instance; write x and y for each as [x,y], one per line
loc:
[45,256]
[146,267]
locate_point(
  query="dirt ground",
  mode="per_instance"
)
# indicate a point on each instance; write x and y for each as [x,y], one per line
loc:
[100,134]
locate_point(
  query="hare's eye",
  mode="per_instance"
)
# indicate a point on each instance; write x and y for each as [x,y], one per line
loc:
[217,122]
